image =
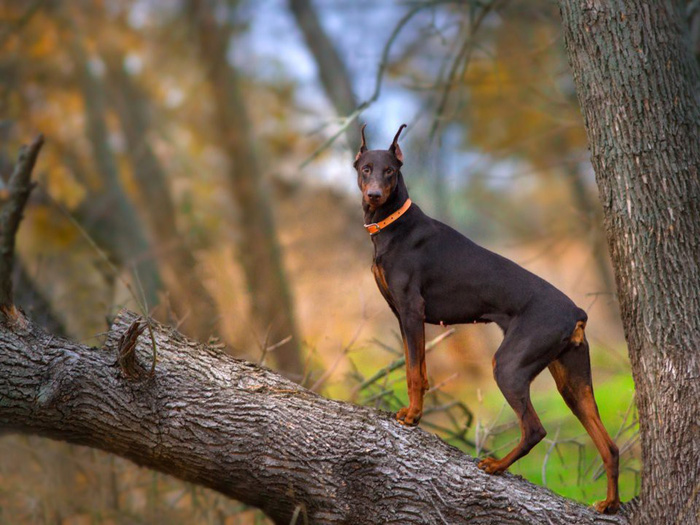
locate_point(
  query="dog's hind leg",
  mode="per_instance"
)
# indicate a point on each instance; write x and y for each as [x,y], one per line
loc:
[572,374]
[521,356]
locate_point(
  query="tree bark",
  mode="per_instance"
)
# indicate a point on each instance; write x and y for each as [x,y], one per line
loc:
[213,420]
[258,246]
[638,84]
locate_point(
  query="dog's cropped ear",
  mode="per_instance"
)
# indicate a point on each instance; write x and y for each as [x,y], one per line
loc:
[363,146]
[394,148]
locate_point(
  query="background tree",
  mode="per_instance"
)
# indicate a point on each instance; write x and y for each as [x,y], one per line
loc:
[638,84]
[194,306]
[332,71]
[258,248]
[109,216]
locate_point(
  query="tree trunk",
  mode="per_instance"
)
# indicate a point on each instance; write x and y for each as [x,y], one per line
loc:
[213,420]
[332,72]
[258,247]
[192,301]
[108,215]
[693,13]
[638,86]
[589,208]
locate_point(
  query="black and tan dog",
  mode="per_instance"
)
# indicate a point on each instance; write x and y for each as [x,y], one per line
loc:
[430,273]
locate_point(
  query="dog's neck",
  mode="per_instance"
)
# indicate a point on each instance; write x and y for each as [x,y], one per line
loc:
[393,203]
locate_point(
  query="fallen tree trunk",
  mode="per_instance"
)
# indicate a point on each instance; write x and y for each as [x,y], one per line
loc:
[250,434]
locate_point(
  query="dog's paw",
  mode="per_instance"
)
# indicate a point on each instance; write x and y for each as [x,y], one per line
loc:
[491,466]
[409,417]
[609,506]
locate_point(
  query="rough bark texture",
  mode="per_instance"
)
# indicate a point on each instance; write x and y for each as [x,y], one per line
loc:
[258,246]
[245,431]
[638,84]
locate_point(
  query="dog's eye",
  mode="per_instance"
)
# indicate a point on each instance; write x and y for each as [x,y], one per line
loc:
[389,172]
[366,170]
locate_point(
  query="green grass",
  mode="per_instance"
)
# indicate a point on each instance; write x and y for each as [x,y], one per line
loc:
[567,456]
[567,462]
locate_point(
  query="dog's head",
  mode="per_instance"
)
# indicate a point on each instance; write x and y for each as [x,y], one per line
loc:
[378,171]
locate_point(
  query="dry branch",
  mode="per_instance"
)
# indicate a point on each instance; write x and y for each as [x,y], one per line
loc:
[19,188]
[245,431]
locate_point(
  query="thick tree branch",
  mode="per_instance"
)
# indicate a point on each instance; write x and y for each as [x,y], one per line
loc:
[247,432]
[18,189]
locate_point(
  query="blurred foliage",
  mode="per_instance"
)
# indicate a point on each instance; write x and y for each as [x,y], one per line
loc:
[495,146]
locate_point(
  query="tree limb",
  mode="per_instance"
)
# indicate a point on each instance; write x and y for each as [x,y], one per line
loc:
[245,431]
[18,190]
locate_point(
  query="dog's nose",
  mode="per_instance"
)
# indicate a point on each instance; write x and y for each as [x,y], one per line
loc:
[374,195]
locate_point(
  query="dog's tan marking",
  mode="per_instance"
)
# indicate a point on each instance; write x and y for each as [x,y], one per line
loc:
[578,335]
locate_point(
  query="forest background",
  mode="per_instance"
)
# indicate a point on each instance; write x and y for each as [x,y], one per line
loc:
[198,166]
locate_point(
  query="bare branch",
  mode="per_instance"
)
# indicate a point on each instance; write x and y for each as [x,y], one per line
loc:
[19,187]
[460,63]
[383,64]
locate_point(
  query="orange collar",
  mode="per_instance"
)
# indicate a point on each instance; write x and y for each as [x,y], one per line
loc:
[376,227]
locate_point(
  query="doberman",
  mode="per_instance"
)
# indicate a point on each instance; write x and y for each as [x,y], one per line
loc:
[430,273]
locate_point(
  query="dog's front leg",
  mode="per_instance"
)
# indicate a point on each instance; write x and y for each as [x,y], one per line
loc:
[413,332]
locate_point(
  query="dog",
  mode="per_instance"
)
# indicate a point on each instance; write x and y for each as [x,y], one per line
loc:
[430,273]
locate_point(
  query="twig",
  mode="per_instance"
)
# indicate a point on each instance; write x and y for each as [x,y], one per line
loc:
[546,457]
[319,382]
[115,271]
[379,395]
[481,438]
[264,346]
[126,350]
[20,186]
[442,383]
[398,363]
[307,367]
[462,59]
[464,409]
[383,63]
